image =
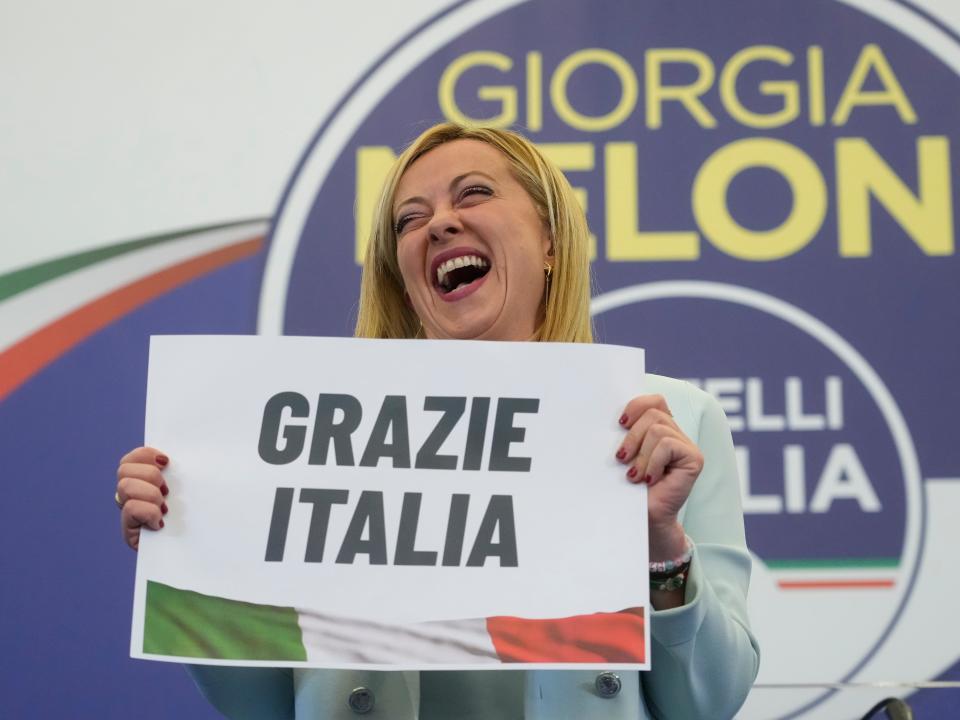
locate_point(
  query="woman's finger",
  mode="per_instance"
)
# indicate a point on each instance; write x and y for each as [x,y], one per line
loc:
[652,439]
[136,489]
[639,405]
[672,451]
[137,513]
[146,455]
[634,438]
[143,472]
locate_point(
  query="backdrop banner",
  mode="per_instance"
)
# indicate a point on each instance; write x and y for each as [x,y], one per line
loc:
[392,504]
[771,192]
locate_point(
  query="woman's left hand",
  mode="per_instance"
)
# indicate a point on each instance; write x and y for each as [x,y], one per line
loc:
[658,453]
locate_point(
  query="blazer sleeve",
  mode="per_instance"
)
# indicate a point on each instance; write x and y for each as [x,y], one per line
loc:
[246,693]
[704,657]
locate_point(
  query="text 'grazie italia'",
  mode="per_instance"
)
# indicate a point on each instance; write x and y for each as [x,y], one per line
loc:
[332,425]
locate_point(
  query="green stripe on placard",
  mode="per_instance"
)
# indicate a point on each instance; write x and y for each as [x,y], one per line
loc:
[833,563]
[188,624]
[19,280]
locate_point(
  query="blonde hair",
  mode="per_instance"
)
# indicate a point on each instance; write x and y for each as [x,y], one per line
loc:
[384,311]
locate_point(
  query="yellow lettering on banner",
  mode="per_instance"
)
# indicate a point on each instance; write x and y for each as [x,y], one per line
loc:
[927,217]
[506,95]
[624,241]
[594,123]
[569,156]
[687,95]
[574,157]
[534,94]
[373,164]
[872,58]
[786,89]
[796,167]
[815,93]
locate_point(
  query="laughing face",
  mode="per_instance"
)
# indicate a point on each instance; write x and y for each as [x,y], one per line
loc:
[470,245]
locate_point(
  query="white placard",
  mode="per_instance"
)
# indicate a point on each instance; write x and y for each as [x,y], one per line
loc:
[402,504]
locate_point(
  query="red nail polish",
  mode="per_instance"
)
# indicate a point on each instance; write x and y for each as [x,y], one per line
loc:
[161,523]
[163,508]
[162,460]
[647,479]
[164,489]
[621,454]
[632,472]
[623,419]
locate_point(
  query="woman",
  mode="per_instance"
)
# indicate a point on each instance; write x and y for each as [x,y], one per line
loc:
[478,236]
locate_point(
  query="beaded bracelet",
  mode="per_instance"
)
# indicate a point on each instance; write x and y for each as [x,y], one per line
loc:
[669,566]
[671,574]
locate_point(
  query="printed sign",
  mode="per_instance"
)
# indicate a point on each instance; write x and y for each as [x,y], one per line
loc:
[392,504]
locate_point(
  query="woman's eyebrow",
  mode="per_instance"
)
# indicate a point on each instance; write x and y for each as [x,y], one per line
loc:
[459,178]
[453,184]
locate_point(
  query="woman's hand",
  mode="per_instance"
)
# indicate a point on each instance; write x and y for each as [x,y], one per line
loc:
[140,492]
[660,455]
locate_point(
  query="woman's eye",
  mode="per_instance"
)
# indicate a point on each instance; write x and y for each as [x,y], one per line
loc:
[401,224]
[475,190]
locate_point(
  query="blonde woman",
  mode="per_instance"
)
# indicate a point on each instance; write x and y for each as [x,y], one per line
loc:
[478,236]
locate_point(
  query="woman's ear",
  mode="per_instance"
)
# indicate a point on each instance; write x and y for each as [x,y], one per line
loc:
[548,250]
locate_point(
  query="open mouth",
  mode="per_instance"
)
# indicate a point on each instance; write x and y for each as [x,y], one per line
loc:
[458,273]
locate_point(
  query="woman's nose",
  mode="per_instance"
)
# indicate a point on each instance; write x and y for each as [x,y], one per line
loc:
[445,225]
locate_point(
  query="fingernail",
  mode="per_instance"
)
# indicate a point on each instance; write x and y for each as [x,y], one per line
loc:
[647,479]
[164,489]
[163,508]
[632,472]
[161,522]
[623,419]
[162,460]
[621,454]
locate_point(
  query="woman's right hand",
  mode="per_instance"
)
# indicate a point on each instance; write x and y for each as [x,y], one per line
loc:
[140,492]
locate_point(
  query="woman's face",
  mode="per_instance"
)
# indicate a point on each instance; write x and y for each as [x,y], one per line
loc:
[470,245]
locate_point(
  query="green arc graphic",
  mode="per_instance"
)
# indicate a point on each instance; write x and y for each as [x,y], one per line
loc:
[17,281]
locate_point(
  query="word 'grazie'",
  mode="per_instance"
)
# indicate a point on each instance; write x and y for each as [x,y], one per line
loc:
[288,417]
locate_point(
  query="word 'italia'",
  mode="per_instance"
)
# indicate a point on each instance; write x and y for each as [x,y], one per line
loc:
[366,534]
[333,422]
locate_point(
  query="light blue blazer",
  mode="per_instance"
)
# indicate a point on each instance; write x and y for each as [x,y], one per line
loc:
[703,655]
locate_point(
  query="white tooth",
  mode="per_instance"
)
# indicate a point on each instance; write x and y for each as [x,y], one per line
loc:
[440,275]
[448,266]
[458,262]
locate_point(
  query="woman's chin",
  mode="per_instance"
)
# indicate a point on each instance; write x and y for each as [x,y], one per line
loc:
[462,333]
[490,332]
[486,321]
[465,329]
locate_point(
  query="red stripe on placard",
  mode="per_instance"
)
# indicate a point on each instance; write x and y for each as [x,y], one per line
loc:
[26,358]
[603,637]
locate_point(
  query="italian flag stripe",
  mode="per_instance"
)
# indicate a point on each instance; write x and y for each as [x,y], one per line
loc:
[183,623]
[189,624]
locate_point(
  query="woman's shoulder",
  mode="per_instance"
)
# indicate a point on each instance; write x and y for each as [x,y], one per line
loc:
[678,390]
[689,404]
